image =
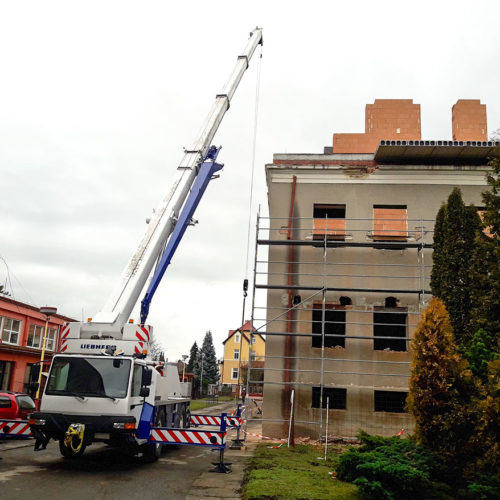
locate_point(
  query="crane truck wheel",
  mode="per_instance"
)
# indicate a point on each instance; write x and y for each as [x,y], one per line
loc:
[68,452]
[72,445]
[151,452]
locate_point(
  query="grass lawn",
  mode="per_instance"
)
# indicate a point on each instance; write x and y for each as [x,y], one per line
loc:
[294,473]
[199,404]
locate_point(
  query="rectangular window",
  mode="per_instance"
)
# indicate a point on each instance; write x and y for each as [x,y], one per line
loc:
[329,221]
[390,401]
[51,339]
[236,354]
[252,355]
[6,369]
[237,338]
[254,339]
[390,223]
[35,336]
[390,323]
[334,325]
[27,377]
[11,328]
[234,374]
[337,398]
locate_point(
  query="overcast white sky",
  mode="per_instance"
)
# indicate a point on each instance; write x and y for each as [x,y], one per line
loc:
[98,98]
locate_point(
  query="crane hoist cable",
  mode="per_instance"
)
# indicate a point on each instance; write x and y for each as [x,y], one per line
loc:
[254,148]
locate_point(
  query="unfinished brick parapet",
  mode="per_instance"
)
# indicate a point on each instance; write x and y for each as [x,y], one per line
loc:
[468,120]
[389,119]
[399,119]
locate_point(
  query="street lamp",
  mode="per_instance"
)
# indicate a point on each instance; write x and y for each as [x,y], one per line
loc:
[184,357]
[201,377]
[48,311]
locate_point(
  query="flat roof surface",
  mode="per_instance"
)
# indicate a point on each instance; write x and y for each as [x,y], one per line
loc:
[438,152]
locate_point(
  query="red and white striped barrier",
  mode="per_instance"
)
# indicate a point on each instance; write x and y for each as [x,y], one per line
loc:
[187,437]
[15,429]
[215,420]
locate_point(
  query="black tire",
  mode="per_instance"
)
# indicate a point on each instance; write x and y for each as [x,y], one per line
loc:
[67,452]
[152,452]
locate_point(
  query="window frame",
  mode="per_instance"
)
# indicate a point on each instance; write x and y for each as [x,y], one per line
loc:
[233,370]
[34,335]
[237,338]
[333,227]
[10,331]
[236,354]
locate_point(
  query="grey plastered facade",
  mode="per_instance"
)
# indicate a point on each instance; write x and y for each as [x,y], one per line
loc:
[367,274]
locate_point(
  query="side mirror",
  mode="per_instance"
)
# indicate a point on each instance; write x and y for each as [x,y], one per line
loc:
[147,376]
[144,393]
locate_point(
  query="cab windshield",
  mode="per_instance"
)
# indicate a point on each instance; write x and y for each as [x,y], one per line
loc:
[89,377]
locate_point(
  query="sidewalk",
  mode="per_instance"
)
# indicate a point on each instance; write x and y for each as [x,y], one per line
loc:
[213,485]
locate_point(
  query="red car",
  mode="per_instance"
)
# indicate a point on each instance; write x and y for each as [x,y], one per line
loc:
[15,405]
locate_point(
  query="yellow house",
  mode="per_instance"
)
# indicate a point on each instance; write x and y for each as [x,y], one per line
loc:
[236,353]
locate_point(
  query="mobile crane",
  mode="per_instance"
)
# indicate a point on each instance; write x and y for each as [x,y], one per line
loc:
[103,385]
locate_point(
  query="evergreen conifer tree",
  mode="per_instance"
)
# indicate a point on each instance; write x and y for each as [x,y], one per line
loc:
[457,226]
[193,357]
[485,269]
[210,368]
[441,388]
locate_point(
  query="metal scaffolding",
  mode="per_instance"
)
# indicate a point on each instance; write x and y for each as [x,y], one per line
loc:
[311,264]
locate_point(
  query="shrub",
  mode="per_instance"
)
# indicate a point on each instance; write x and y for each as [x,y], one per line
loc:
[392,468]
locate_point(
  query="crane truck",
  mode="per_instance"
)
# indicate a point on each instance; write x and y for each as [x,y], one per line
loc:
[103,385]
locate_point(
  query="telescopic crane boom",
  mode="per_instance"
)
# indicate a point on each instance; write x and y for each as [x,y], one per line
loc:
[167,215]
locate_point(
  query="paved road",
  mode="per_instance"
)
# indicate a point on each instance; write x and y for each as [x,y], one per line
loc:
[101,473]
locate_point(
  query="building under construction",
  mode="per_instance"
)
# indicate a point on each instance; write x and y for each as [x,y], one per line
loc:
[345,258]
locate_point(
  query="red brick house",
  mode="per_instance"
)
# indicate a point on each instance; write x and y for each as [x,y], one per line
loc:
[21,335]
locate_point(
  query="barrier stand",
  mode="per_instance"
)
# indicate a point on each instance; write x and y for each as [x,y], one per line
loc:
[238,443]
[221,466]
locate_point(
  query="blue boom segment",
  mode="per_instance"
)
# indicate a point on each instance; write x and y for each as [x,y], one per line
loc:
[207,169]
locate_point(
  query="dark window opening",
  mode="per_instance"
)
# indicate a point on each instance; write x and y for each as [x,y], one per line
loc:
[389,324]
[391,401]
[337,398]
[330,211]
[334,325]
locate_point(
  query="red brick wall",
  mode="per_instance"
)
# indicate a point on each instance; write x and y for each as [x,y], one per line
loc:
[389,119]
[469,120]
